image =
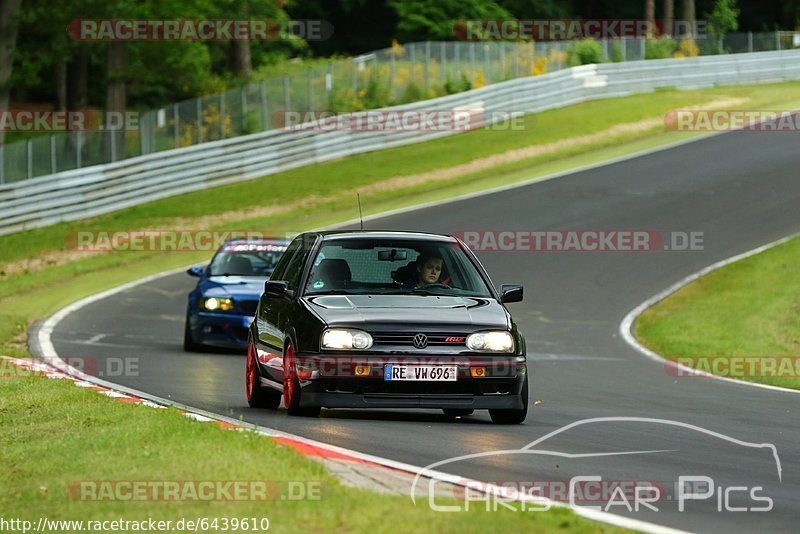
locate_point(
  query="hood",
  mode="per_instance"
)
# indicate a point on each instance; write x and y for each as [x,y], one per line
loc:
[236,287]
[425,311]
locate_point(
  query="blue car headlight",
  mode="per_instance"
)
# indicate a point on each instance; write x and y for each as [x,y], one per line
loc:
[217,304]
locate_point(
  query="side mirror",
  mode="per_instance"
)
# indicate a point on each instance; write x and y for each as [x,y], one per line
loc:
[510,293]
[195,271]
[276,288]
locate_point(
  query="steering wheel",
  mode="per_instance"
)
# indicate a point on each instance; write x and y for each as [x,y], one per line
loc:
[437,284]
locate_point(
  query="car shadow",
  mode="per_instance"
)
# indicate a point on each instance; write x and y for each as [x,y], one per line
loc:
[417,417]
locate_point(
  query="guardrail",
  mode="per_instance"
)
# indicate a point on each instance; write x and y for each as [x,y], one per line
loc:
[92,191]
[390,77]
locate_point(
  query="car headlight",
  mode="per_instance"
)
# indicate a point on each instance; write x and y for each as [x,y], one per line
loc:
[345,338]
[217,304]
[499,341]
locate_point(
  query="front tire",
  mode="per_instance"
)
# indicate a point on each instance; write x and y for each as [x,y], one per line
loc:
[189,344]
[257,395]
[513,417]
[291,387]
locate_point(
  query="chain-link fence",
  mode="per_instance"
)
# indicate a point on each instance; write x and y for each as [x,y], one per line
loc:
[393,76]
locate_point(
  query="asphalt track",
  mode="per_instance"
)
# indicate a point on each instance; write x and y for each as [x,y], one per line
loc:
[740,189]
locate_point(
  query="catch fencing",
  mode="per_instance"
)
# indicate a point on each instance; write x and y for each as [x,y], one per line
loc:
[79,193]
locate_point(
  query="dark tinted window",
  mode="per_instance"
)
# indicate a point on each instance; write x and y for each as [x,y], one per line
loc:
[247,260]
[363,266]
[280,268]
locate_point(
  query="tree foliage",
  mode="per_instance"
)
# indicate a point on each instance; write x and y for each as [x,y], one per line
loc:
[421,20]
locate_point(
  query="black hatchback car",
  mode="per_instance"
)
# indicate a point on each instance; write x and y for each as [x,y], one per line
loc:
[386,320]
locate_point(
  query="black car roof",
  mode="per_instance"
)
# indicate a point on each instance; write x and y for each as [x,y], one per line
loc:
[279,240]
[330,235]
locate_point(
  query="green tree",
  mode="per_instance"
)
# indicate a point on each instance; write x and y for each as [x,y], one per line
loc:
[423,20]
[724,18]
[9,11]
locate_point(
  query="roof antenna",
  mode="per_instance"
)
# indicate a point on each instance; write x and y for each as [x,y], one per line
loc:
[360,215]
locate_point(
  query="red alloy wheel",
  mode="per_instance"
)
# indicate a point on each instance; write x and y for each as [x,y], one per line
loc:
[288,376]
[250,374]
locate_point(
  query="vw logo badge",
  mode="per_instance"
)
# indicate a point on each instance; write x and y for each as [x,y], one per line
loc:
[420,341]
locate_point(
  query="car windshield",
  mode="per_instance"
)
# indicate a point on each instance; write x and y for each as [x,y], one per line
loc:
[246,260]
[384,266]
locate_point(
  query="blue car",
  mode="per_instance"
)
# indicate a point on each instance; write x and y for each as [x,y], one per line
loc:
[223,304]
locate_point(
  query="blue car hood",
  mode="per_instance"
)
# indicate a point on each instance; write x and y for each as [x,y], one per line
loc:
[236,287]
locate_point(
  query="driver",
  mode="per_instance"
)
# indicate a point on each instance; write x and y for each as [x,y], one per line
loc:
[429,269]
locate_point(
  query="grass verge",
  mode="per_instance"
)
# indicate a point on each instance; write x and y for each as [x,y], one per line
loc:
[56,436]
[743,318]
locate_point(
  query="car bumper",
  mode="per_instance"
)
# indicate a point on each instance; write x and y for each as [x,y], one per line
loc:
[220,330]
[331,383]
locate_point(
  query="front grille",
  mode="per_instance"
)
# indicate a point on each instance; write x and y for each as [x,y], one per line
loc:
[248,307]
[406,338]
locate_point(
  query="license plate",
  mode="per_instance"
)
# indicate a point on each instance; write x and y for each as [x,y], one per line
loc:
[431,373]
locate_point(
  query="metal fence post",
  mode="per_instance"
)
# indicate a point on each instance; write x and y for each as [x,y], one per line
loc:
[113,136]
[142,137]
[473,71]
[29,148]
[311,90]
[413,63]
[329,86]
[2,164]
[392,67]
[750,42]
[487,77]
[176,134]
[244,107]
[427,65]
[222,115]
[457,57]
[502,61]
[287,97]
[53,166]
[777,40]
[262,89]
[199,107]
[78,148]
[443,60]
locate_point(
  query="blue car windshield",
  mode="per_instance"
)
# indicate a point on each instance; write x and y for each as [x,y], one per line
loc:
[361,266]
[244,263]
